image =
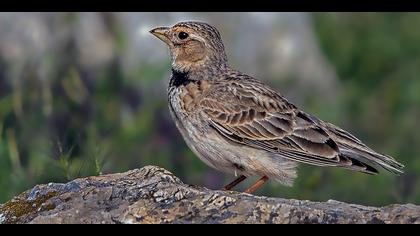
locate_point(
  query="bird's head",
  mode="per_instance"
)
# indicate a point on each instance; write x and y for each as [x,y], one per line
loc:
[194,46]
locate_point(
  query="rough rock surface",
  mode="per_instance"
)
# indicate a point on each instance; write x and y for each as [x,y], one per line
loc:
[154,195]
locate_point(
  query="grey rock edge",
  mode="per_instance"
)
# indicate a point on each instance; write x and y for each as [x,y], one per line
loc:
[154,195]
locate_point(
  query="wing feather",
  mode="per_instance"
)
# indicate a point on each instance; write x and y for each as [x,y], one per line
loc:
[252,114]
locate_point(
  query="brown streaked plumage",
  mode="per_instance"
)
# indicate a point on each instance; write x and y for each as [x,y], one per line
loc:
[237,124]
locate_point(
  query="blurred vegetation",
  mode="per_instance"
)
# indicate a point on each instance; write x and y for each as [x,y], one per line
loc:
[72,120]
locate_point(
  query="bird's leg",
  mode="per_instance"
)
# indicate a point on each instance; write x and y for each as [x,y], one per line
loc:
[257,184]
[234,183]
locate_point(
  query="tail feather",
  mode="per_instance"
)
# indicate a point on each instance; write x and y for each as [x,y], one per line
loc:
[351,163]
[373,158]
[353,148]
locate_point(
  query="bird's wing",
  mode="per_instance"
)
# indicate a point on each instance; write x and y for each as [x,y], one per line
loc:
[250,113]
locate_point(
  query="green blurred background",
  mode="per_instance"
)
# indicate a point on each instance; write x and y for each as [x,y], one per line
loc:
[85,93]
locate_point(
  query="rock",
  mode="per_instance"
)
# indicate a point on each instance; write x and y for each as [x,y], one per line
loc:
[154,195]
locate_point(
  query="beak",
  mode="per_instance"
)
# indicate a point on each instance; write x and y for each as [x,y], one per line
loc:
[162,33]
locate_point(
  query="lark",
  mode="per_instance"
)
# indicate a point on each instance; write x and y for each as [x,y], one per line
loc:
[237,124]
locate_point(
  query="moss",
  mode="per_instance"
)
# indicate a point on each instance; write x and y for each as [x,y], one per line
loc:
[21,207]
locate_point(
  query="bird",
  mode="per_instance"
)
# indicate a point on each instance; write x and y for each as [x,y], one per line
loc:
[239,125]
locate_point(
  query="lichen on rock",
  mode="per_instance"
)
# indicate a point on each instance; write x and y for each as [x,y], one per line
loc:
[154,195]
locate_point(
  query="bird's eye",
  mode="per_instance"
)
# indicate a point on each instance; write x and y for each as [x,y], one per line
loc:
[182,35]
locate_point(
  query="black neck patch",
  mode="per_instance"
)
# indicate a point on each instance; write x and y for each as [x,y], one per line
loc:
[179,78]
